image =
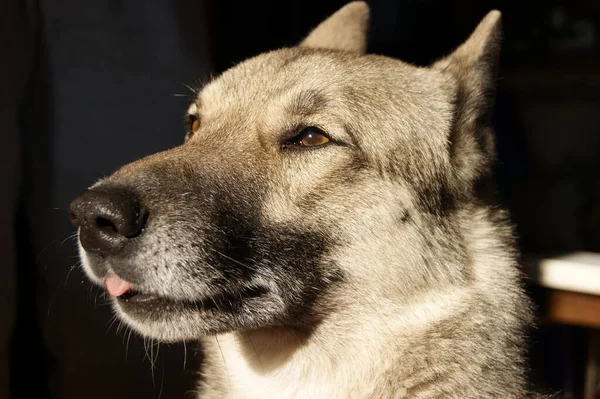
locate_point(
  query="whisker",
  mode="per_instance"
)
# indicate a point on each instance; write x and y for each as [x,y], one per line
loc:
[152,365]
[225,365]
[77,264]
[190,88]
[262,367]
[111,322]
[235,261]
[157,351]
[37,260]
[70,236]
[50,303]
[162,380]
[127,344]
[120,326]
[150,356]
[144,341]
[184,355]
[96,300]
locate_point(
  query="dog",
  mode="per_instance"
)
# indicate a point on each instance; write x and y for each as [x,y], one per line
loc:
[328,229]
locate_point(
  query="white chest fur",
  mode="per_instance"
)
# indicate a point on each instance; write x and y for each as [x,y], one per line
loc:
[282,365]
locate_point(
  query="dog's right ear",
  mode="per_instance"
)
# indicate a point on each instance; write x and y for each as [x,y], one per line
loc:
[474,66]
[345,30]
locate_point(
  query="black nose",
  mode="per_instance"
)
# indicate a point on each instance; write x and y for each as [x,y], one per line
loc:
[107,219]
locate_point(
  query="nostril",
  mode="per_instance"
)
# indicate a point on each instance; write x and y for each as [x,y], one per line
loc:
[106,226]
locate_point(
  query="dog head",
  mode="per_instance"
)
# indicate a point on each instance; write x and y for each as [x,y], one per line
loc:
[307,174]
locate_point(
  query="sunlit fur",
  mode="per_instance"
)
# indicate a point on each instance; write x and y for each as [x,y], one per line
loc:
[383,268]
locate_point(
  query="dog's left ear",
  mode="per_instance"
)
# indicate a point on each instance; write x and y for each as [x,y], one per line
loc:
[474,66]
[345,30]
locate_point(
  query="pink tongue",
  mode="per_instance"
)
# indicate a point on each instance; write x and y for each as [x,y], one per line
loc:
[117,287]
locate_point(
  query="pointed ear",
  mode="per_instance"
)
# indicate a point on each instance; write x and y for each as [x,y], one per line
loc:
[474,67]
[475,62]
[345,30]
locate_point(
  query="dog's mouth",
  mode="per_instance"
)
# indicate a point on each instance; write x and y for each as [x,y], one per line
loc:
[135,296]
[130,298]
[125,292]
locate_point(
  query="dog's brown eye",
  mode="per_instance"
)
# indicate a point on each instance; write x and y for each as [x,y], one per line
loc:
[192,125]
[309,137]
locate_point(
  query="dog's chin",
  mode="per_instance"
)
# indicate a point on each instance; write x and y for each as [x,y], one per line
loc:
[172,320]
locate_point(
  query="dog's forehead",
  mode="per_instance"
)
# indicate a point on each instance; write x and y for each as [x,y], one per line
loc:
[260,80]
[271,75]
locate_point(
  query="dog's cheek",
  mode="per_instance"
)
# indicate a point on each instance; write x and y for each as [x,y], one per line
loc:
[303,190]
[296,263]
[261,240]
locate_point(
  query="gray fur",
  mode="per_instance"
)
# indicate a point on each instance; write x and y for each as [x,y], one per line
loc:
[373,266]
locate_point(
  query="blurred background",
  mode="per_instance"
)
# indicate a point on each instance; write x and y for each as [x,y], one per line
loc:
[89,86]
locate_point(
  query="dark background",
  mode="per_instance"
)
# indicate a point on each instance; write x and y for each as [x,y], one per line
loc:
[89,86]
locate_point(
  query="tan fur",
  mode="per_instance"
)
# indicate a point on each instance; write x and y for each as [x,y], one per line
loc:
[345,30]
[429,303]
[366,350]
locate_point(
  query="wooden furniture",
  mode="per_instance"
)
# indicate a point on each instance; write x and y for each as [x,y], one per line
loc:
[571,285]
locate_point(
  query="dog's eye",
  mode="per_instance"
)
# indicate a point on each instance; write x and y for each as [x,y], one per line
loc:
[195,124]
[309,137]
[192,124]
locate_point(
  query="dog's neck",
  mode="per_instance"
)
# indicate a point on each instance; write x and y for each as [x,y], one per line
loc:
[344,357]
[288,363]
[266,350]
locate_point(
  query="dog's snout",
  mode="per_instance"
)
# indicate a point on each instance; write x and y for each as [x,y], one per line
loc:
[107,218]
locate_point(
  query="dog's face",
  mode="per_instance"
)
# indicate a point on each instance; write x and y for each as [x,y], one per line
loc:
[307,174]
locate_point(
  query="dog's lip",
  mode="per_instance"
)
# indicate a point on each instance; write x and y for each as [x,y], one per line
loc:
[134,300]
[135,296]
[127,293]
